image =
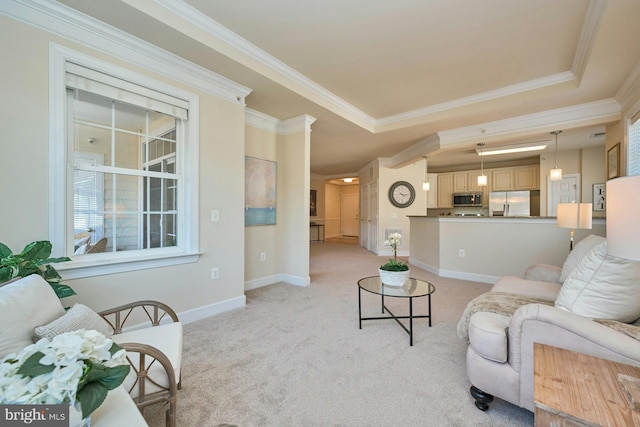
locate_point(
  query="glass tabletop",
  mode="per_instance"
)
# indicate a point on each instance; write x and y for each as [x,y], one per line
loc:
[411,287]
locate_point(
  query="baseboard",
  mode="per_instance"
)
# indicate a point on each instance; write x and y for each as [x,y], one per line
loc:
[454,274]
[212,309]
[276,278]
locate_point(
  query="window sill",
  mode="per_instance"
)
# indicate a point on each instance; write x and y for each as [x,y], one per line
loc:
[98,265]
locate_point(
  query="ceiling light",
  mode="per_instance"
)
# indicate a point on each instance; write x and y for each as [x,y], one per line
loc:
[425,185]
[555,174]
[348,180]
[511,149]
[482,178]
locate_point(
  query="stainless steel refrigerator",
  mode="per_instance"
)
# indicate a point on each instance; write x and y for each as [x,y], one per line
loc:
[510,203]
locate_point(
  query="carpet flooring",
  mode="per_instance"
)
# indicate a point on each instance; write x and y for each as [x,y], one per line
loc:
[294,356]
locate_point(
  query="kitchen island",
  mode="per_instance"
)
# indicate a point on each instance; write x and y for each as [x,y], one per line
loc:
[483,249]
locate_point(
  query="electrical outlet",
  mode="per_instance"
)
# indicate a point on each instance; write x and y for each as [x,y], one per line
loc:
[215,216]
[461,253]
[263,256]
[215,273]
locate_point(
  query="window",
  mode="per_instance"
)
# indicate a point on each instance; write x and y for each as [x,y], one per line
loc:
[633,150]
[131,144]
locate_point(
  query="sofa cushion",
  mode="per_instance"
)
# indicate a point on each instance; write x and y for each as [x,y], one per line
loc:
[78,317]
[603,287]
[168,339]
[582,248]
[25,304]
[488,336]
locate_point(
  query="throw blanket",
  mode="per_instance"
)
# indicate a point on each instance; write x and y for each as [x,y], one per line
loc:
[494,302]
[506,304]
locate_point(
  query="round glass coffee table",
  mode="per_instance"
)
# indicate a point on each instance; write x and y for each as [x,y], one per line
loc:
[412,288]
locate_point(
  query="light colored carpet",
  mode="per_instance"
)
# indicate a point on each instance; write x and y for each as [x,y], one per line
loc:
[295,357]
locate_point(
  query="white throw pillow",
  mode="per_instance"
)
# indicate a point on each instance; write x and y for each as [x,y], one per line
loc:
[582,248]
[78,317]
[603,287]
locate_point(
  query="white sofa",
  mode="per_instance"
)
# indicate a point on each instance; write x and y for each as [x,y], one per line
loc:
[29,307]
[554,306]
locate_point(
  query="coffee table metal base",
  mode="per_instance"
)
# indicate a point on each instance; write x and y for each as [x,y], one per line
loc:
[393,316]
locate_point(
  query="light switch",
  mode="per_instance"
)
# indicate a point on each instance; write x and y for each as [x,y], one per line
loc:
[215,216]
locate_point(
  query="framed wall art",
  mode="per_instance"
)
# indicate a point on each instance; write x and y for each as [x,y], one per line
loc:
[312,203]
[613,162]
[599,200]
[259,191]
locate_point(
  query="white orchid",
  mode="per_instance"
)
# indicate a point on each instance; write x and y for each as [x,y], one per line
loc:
[54,371]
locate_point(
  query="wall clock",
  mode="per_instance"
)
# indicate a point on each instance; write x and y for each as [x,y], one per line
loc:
[402,194]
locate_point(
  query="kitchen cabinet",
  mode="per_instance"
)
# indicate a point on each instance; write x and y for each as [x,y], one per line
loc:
[515,178]
[445,188]
[432,194]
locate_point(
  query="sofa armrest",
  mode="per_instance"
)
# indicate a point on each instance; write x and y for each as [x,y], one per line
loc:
[543,273]
[152,311]
[553,326]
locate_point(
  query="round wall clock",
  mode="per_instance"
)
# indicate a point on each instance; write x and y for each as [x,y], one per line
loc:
[401,194]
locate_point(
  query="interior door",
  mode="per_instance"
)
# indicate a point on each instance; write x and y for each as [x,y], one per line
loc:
[565,191]
[349,215]
[364,215]
[372,222]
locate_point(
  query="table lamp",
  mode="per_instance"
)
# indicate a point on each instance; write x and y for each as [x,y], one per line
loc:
[574,215]
[623,217]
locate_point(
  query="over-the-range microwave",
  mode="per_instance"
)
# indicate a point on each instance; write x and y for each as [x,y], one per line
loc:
[467,199]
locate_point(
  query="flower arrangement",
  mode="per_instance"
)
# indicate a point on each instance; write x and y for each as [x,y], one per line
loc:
[393,264]
[74,367]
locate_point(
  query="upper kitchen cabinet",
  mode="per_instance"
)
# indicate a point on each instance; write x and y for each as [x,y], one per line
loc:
[445,188]
[466,181]
[432,194]
[515,178]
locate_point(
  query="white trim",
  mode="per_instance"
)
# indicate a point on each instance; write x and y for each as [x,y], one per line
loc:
[77,27]
[296,124]
[482,278]
[629,92]
[540,83]
[260,120]
[205,311]
[590,28]
[276,278]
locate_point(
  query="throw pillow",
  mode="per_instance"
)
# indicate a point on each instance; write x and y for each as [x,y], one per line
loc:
[603,287]
[78,317]
[582,248]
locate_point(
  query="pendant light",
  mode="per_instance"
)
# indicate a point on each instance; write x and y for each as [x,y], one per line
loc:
[555,174]
[425,184]
[482,178]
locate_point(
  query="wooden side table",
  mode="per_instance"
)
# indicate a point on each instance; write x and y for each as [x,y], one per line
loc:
[574,389]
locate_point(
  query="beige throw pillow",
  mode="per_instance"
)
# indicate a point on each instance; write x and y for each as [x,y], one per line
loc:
[603,287]
[78,317]
[581,250]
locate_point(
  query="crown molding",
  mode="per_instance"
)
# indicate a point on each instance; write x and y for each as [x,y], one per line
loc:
[560,118]
[415,152]
[590,28]
[629,92]
[288,75]
[388,122]
[296,124]
[262,121]
[87,31]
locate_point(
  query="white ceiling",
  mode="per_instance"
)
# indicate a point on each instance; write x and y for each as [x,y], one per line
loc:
[383,76]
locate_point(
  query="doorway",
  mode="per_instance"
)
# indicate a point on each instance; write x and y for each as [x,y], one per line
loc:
[565,191]
[349,215]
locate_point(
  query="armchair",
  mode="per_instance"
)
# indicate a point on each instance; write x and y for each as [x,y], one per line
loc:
[588,306]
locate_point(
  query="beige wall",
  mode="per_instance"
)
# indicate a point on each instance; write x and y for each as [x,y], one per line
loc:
[24,174]
[332,210]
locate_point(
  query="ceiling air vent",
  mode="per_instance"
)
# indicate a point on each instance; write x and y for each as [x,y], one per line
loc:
[597,135]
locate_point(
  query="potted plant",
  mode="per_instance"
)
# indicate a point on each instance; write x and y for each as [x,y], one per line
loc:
[394,272]
[34,259]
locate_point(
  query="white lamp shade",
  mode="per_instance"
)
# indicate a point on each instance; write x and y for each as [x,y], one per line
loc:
[555,174]
[426,186]
[482,180]
[623,217]
[574,215]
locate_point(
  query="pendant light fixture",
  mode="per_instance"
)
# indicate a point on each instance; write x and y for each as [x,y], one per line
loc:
[482,178]
[555,174]
[425,184]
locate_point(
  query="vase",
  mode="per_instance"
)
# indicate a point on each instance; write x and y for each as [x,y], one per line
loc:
[75,417]
[393,278]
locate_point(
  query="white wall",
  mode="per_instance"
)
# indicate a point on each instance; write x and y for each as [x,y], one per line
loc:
[24,215]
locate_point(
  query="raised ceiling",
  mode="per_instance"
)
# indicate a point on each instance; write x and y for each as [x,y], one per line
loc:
[383,76]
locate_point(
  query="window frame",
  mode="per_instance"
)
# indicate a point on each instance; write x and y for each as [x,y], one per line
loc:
[61,175]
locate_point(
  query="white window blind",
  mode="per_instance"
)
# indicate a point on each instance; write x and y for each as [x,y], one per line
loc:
[78,77]
[633,151]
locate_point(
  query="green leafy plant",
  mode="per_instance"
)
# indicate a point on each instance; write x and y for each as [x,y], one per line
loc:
[34,259]
[394,264]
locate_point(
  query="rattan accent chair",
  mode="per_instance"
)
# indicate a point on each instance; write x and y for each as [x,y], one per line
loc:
[154,351]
